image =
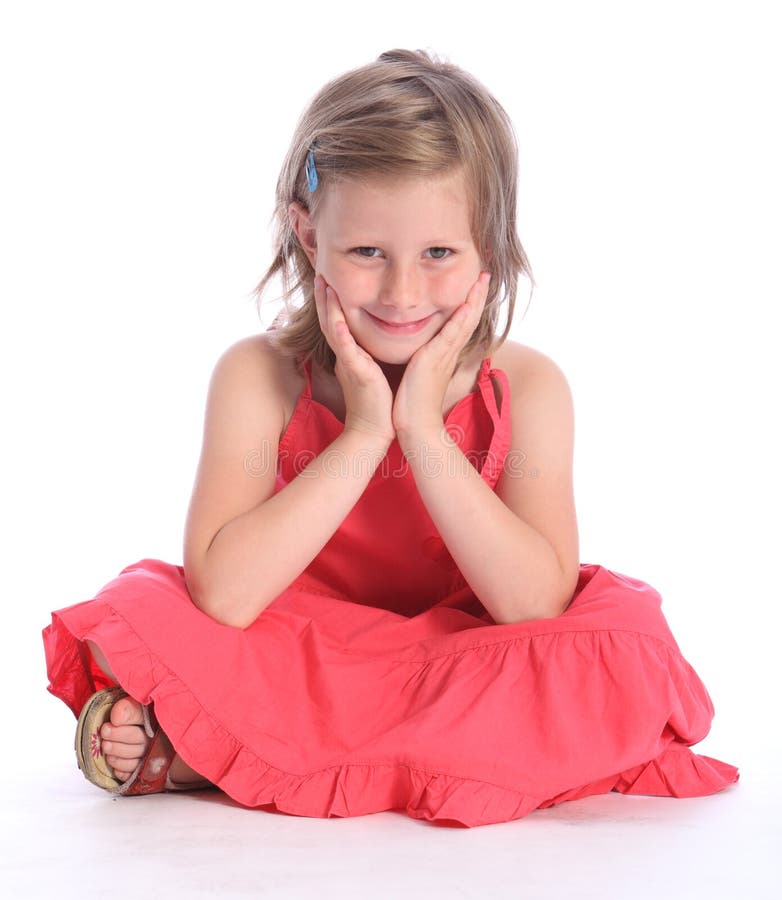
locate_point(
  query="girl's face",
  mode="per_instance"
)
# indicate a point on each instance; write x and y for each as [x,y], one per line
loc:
[398,253]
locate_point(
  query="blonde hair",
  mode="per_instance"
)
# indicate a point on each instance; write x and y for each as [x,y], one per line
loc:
[406,114]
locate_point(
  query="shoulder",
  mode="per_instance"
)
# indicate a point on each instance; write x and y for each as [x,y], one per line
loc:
[512,355]
[541,403]
[255,365]
[532,374]
[253,380]
[253,351]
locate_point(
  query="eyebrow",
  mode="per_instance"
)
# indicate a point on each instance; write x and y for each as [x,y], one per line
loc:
[364,241]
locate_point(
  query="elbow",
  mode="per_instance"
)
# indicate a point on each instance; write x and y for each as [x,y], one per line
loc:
[229,614]
[232,620]
[554,608]
[527,617]
[523,611]
[549,599]
[233,612]
[559,596]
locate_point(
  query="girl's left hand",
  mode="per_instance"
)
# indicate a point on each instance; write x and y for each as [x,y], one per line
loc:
[419,398]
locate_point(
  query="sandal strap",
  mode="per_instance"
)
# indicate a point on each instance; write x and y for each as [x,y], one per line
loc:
[150,722]
[150,775]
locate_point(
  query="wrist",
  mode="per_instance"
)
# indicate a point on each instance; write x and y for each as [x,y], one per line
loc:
[424,434]
[366,437]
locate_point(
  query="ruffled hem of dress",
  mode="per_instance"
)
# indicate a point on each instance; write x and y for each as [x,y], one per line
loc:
[346,790]
[677,772]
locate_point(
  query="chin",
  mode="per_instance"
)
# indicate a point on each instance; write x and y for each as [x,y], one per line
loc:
[397,356]
[391,357]
[386,360]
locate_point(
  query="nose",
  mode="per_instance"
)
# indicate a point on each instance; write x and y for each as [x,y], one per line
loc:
[401,288]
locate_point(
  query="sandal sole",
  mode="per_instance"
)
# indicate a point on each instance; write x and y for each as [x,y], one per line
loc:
[89,755]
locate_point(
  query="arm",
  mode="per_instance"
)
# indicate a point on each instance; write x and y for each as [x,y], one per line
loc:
[256,555]
[244,544]
[517,548]
[512,568]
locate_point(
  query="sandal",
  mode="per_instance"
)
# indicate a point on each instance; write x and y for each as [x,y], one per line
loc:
[151,774]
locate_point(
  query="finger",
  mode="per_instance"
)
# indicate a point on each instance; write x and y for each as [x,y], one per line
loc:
[325,308]
[344,344]
[476,296]
[457,329]
[337,317]
[320,298]
[472,307]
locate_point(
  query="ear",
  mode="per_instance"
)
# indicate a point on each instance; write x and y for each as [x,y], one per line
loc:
[304,230]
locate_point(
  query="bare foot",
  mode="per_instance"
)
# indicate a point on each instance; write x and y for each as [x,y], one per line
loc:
[124,742]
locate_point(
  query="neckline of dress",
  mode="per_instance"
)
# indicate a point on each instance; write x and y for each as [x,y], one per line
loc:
[483,376]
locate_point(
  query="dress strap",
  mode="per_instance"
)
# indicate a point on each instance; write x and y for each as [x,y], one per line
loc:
[501,439]
[307,392]
[487,390]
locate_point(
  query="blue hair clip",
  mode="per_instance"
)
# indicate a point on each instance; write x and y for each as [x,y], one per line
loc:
[311,171]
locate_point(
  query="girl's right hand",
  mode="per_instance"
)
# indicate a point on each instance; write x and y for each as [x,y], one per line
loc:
[368,396]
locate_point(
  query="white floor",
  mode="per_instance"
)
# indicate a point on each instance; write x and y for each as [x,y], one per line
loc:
[61,838]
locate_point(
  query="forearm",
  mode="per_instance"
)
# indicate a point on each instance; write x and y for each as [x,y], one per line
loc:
[256,555]
[511,567]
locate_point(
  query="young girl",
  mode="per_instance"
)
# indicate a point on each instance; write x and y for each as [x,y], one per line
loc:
[381,605]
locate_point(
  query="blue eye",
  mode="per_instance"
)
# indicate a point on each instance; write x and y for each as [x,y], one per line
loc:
[366,252]
[439,252]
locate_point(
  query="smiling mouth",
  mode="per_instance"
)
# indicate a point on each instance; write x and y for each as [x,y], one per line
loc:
[401,324]
[400,329]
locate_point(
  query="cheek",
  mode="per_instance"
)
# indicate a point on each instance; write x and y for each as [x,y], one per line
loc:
[449,289]
[347,280]
[353,287]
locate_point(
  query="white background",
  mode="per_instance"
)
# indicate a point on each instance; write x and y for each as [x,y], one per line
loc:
[141,145]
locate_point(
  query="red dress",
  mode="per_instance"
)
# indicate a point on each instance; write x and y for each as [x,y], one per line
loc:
[368,686]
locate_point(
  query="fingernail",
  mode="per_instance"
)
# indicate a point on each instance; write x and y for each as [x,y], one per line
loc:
[106,731]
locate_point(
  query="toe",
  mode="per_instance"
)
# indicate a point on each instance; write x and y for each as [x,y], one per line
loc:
[121,768]
[126,734]
[127,711]
[115,750]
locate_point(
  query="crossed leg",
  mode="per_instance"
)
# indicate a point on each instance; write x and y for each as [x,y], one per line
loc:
[124,740]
